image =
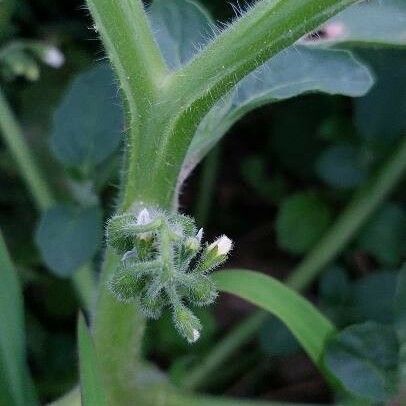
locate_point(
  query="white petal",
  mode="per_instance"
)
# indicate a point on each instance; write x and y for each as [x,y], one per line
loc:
[199,235]
[143,217]
[54,57]
[196,336]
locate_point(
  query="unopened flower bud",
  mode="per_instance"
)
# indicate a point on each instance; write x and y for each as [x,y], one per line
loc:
[202,291]
[223,245]
[115,235]
[186,323]
[143,219]
[126,286]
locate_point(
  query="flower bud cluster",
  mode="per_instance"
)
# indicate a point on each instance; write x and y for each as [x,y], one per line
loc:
[164,264]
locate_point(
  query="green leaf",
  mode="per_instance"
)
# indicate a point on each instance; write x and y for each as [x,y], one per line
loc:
[69,236]
[88,123]
[276,339]
[90,381]
[363,358]
[294,71]
[183,27]
[380,115]
[342,166]
[400,324]
[335,292]
[368,24]
[15,384]
[302,219]
[305,322]
[373,297]
[180,27]
[384,236]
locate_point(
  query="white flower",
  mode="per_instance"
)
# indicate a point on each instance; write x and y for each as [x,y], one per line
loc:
[53,57]
[196,336]
[143,217]
[199,235]
[223,244]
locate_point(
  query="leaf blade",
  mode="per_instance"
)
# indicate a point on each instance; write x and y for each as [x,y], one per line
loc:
[15,383]
[306,323]
[90,380]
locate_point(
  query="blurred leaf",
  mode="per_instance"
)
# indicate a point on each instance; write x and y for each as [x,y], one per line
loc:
[368,24]
[90,381]
[15,384]
[342,166]
[373,297]
[305,322]
[272,189]
[302,219]
[400,323]
[381,115]
[69,236]
[276,340]
[335,293]
[363,358]
[180,27]
[88,122]
[384,236]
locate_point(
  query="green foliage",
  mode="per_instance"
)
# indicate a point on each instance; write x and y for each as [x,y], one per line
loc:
[378,115]
[91,387]
[310,327]
[342,166]
[88,123]
[301,221]
[384,237]
[68,236]
[400,324]
[180,28]
[368,24]
[15,384]
[276,339]
[363,358]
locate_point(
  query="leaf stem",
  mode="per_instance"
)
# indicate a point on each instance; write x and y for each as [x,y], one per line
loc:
[14,139]
[360,209]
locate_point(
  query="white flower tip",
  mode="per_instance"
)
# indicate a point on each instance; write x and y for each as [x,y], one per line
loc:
[199,235]
[54,57]
[223,244]
[143,217]
[195,336]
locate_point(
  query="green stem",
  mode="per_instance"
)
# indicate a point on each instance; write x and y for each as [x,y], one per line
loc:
[38,187]
[187,95]
[14,139]
[360,209]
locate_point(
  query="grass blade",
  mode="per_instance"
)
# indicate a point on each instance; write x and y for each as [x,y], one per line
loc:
[15,384]
[305,322]
[90,381]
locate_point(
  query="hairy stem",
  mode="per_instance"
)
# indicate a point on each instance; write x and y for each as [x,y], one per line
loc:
[188,94]
[360,209]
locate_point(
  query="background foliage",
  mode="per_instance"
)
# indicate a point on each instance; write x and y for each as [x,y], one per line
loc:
[275,184]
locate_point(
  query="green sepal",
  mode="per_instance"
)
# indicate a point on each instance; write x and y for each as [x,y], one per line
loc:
[187,324]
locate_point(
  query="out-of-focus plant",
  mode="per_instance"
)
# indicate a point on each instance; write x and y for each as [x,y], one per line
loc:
[183,83]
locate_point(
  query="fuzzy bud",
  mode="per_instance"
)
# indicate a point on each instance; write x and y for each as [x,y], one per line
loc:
[202,291]
[115,236]
[126,286]
[222,246]
[186,323]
